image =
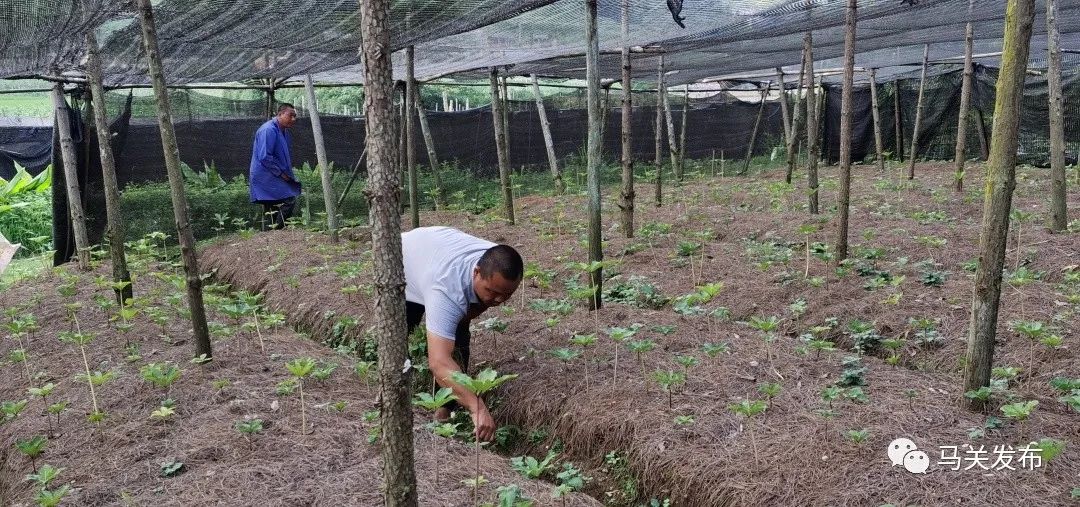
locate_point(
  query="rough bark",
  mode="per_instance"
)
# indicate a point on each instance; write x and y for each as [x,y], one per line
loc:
[433,157]
[1058,211]
[813,149]
[659,160]
[796,122]
[320,156]
[500,147]
[997,200]
[549,145]
[71,177]
[682,129]
[757,126]
[785,116]
[965,104]
[410,135]
[176,182]
[918,115]
[592,78]
[387,271]
[115,231]
[626,195]
[898,124]
[844,200]
[879,146]
[673,145]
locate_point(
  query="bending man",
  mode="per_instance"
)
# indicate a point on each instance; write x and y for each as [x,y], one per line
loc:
[271,177]
[450,279]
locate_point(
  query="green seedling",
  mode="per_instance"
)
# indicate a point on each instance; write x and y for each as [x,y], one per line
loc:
[300,368]
[81,340]
[363,370]
[770,390]
[715,349]
[51,497]
[12,409]
[767,326]
[162,413]
[530,467]
[1019,411]
[484,382]
[496,326]
[45,475]
[32,448]
[585,341]
[619,335]
[684,420]
[687,362]
[748,409]
[640,348]
[858,436]
[1034,331]
[161,375]
[669,381]
[249,427]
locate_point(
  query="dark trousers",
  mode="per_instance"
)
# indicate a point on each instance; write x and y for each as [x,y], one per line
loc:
[414,313]
[279,211]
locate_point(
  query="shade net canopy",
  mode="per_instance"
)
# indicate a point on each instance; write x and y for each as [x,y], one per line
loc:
[213,41]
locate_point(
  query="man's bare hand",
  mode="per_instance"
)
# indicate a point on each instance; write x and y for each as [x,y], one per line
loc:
[285,177]
[485,425]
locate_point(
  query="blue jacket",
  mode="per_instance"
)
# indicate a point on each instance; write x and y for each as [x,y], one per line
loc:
[270,158]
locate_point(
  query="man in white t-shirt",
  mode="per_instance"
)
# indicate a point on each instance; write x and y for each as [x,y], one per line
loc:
[450,279]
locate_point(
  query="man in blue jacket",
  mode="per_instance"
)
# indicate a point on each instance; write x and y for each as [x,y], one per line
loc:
[271,177]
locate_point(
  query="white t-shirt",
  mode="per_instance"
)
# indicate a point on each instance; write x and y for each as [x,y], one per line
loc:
[439,263]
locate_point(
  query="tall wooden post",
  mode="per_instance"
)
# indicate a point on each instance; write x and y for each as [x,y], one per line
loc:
[506,117]
[682,129]
[626,195]
[785,116]
[898,127]
[796,122]
[433,157]
[844,201]
[320,155]
[878,144]
[757,126]
[813,149]
[918,115]
[176,182]
[997,200]
[500,147]
[71,177]
[1058,211]
[965,104]
[389,277]
[549,145]
[659,160]
[116,231]
[410,135]
[592,79]
[673,146]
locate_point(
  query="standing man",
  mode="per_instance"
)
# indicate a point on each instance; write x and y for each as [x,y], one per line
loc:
[450,279]
[271,177]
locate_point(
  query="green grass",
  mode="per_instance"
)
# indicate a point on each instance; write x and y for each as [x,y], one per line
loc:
[23,268]
[34,105]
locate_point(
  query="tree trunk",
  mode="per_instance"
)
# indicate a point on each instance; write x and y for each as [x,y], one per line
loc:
[965,104]
[506,117]
[785,116]
[500,147]
[673,145]
[626,196]
[659,160]
[682,129]
[592,79]
[410,131]
[813,152]
[757,125]
[918,115]
[796,119]
[71,177]
[116,231]
[387,271]
[898,124]
[844,201]
[320,155]
[879,146]
[984,136]
[176,182]
[433,157]
[1000,182]
[549,145]
[1058,211]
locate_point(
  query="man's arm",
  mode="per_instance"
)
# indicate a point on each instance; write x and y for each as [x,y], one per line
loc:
[265,143]
[442,365]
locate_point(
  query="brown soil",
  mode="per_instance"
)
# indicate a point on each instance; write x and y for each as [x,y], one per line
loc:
[801,458]
[120,463]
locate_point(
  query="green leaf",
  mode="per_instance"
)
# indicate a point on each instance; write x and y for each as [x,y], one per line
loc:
[171,468]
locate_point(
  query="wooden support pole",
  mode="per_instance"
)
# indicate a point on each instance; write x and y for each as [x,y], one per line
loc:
[115,231]
[1058,219]
[626,194]
[997,200]
[410,135]
[796,122]
[812,123]
[879,145]
[682,129]
[176,183]
[592,79]
[754,133]
[433,157]
[844,199]
[659,131]
[549,145]
[785,116]
[673,145]
[918,115]
[506,119]
[965,104]
[71,177]
[898,126]
[320,156]
[500,147]
[984,136]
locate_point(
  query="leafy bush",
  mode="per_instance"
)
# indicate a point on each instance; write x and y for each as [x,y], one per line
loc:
[26,209]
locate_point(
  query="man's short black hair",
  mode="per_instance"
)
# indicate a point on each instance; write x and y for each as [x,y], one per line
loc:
[502,259]
[282,106]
